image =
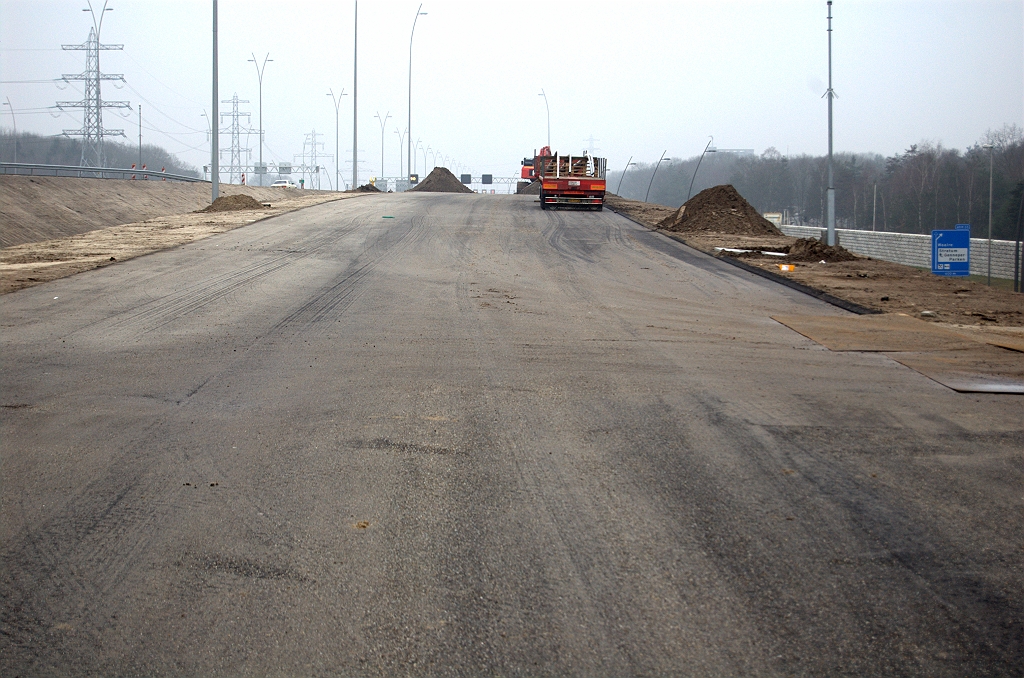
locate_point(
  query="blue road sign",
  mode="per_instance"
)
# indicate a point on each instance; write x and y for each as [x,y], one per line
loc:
[951,251]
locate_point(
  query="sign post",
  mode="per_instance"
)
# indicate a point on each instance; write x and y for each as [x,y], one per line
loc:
[951,251]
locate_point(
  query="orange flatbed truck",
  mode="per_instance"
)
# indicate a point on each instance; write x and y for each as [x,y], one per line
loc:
[574,181]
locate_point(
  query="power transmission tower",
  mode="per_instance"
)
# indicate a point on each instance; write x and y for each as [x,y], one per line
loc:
[236,167]
[92,130]
[309,159]
[590,144]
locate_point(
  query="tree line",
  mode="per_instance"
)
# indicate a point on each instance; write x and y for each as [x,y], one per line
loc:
[60,150]
[925,187]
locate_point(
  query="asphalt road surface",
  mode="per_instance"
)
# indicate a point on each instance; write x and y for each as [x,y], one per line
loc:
[458,435]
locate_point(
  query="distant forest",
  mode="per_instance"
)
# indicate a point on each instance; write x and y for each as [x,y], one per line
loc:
[61,150]
[926,187]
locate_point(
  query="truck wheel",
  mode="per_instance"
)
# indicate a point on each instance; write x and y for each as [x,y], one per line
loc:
[599,208]
[543,205]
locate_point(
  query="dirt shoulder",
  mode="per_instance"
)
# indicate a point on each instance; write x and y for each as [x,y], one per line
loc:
[33,209]
[877,285]
[33,263]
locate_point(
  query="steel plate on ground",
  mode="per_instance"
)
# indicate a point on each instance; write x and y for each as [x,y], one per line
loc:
[979,369]
[875,333]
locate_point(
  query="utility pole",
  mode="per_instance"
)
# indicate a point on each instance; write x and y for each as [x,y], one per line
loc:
[261,170]
[411,34]
[355,100]
[383,122]
[140,136]
[337,157]
[92,131]
[215,132]
[831,192]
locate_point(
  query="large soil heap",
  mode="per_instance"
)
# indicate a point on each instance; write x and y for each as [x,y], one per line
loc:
[231,203]
[809,249]
[440,180]
[720,209]
[365,188]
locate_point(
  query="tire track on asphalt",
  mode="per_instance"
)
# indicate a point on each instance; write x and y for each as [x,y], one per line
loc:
[155,315]
[205,290]
[59,574]
[329,303]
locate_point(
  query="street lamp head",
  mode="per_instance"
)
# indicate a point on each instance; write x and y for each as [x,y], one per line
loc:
[988,146]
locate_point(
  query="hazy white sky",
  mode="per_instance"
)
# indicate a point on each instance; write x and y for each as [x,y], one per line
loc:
[640,77]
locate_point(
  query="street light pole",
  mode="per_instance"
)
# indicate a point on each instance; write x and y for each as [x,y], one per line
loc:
[623,175]
[337,115]
[209,133]
[259,74]
[548,109]
[15,121]
[214,145]
[654,175]
[831,193]
[383,122]
[401,147]
[991,151]
[411,34]
[355,100]
[690,189]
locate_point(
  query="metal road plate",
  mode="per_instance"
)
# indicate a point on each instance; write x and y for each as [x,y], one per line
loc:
[884,332]
[981,369]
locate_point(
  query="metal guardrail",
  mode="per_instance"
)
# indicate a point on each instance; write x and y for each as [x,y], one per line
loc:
[29,169]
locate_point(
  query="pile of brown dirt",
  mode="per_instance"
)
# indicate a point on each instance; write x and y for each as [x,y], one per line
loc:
[233,203]
[440,180]
[720,209]
[809,249]
[365,188]
[528,188]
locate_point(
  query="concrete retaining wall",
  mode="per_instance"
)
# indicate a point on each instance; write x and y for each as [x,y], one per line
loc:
[912,249]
